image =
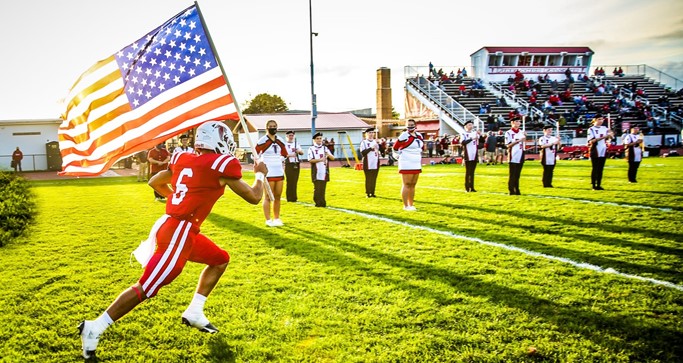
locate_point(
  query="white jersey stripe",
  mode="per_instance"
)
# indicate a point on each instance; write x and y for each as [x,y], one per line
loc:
[218,161]
[174,260]
[164,258]
[225,164]
[174,158]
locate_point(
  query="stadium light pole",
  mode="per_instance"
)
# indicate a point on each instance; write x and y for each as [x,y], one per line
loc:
[314,107]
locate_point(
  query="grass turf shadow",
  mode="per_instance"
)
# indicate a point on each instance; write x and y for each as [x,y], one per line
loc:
[655,341]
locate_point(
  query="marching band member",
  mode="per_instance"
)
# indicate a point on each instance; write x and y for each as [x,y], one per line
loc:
[597,142]
[369,149]
[292,163]
[514,140]
[272,149]
[634,152]
[470,143]
[318,155]
[409,145]
[549,145]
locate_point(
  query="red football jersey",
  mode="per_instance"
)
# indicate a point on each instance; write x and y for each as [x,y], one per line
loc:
[196,184]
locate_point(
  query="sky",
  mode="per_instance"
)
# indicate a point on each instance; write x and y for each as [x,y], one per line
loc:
[264,45]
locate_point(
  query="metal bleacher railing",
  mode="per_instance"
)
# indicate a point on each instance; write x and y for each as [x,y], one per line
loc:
[445,102]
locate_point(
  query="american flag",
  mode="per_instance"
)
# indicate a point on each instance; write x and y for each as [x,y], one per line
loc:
[167,82]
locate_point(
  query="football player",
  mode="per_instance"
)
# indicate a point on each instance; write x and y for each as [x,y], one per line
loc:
[192,184]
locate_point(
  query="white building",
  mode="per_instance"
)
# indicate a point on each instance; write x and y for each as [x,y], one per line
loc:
[32,138]
[342,127]
[496,64]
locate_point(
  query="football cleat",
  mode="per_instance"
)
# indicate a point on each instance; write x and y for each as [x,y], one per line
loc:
[89,339]
[200,322]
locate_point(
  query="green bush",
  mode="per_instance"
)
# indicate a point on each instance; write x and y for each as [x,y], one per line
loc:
[17,208]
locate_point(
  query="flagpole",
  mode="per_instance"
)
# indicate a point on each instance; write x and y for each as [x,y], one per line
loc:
[266,185]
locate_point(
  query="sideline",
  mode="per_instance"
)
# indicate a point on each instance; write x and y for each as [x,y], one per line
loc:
[581,265]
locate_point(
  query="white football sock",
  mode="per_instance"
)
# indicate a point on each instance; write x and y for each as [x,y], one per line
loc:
[197,304]
[102,323]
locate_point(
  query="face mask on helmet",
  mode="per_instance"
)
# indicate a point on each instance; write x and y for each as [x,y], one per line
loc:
[215,136]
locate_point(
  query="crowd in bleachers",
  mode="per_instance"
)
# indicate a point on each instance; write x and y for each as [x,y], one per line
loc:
[571,101]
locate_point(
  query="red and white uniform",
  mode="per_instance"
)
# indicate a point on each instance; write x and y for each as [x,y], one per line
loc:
[371,156]
[410,147]
[319,170]
[273,153]
[548,154]
[196,188]
[517,151]
[599,148]
[470,140]
[634,153]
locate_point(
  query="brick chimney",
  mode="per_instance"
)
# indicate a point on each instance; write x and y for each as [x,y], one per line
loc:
[383,96]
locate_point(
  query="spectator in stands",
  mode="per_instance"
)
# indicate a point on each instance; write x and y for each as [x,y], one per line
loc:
[562,121]
[463,90]
[518,76]
[431,69]
[501,102]
[430,146]
[501,121]
[464,72]
[491,123]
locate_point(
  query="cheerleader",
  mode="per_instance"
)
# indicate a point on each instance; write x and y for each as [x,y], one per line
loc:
[409,145]
[273,150]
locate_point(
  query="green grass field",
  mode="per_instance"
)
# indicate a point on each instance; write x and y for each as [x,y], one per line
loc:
[554,275]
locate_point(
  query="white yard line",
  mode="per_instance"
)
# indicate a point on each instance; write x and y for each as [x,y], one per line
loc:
[513,248]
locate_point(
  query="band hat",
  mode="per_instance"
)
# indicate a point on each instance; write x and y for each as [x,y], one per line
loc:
[547,127]
[468,122]
[290,132]
[372,129]
[317,134]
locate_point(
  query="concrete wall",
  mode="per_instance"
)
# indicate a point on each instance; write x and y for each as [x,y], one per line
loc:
[30,136]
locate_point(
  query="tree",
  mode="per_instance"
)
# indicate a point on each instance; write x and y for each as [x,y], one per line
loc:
[265,103]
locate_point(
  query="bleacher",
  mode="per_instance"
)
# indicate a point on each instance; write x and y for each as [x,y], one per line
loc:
[580,120]
[472,99]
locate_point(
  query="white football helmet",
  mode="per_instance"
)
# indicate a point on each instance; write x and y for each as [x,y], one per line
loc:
[214,135]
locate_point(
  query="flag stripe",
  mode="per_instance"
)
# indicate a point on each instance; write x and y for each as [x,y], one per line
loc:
[147,122]
[91,76]
[110,120]
[117,141]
